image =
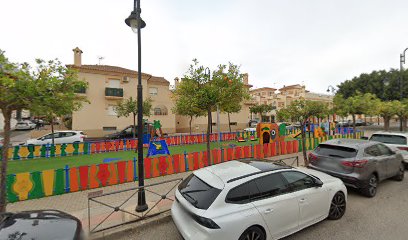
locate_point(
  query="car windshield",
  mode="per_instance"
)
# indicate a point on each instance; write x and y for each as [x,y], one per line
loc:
[335,151]
[197,192]
[389,139]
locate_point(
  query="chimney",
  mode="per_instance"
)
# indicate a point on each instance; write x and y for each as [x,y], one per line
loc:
[77,56]
[245,79]
[176,82]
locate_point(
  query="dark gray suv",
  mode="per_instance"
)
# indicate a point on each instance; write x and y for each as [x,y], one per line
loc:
[360,164]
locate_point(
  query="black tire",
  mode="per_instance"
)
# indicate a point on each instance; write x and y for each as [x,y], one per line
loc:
[400,174]
[253,233]
[371,189]
[337,206]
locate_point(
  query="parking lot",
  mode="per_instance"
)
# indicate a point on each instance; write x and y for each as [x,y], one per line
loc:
[383,217]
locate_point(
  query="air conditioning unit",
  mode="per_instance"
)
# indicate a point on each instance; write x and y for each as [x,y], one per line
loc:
[126,79]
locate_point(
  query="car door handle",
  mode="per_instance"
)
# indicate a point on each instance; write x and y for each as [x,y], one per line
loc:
[302,200]
[269,210]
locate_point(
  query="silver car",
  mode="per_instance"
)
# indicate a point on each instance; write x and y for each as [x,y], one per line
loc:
[360,164]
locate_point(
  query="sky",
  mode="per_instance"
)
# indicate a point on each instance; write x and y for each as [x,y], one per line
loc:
[313,42]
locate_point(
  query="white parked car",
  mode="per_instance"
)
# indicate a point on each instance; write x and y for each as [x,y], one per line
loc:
[25,125]
[251,129]
[398,141]
[255,200]
[59,137]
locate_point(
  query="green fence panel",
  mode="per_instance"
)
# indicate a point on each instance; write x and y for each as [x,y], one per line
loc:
[11,196]
[59,182]
[31,150]
[86,147]
[52,150]
[43,151]
[37,191]
[63,147]
[16,154]
[300,145]
[76,148]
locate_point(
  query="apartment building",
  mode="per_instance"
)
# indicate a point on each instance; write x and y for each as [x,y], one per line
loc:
[280,98]
[108,85]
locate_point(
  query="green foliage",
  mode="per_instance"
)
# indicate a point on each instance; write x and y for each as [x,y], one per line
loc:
[56,86]
[301,110]
[357,104]
[261,109]
[129,106]
[184,103]
[384,84]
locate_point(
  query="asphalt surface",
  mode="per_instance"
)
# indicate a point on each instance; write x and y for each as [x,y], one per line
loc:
[383,217]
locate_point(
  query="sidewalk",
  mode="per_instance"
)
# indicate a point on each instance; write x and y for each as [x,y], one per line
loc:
[76,203]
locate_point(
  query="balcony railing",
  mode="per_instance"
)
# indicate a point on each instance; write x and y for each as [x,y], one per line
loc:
[114,92]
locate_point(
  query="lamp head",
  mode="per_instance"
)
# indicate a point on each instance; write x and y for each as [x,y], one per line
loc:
[132,21]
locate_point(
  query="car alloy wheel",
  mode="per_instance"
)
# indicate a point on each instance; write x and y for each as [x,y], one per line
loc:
[253,233]
[337,207]
[371,189]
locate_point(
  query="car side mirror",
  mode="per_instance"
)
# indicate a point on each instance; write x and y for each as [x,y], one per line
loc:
[318,183]
[364,138]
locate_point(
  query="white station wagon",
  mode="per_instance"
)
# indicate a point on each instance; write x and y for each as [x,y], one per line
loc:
[255,200]
[59,138]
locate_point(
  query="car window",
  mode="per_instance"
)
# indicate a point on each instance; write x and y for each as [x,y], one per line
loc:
[389,139]
[239,194]
[197,192]
[384,150]
[335,151]
[373,151]
[67,134]
[297,180]
[269,186]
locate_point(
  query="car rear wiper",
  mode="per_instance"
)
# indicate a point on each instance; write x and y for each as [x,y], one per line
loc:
[194,191]
[334,155]
[195,202]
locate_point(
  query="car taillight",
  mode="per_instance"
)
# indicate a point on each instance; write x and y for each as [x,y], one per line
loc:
[206,222]
[357,163]
[312,157]
[403,148]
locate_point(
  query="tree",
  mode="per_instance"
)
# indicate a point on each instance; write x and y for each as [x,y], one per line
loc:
[17,91]
[57,86]
[129,106]
[262,109]
[233,90]
[184,104]
[357,104]
[387,110]
[300,111]
[210,91]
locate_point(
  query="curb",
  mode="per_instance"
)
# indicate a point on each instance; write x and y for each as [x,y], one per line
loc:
[125,229]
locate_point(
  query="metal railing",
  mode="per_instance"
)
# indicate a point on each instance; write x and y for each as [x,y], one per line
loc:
[107,200]
[114,92]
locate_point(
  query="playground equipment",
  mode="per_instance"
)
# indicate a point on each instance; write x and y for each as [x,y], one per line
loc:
[157,144]
[270,132]
[246,135]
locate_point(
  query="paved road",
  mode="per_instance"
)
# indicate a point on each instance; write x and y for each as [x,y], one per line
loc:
[382,217]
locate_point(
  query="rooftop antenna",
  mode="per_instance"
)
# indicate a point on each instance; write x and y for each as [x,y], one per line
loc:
[100,58]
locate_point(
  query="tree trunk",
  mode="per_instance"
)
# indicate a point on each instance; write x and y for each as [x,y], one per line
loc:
[208,133]
[4,161]
[386,123]
[404,125]
[210,119]
[191,119]
[303,133]
[229,122]
[52,131]
[354,125]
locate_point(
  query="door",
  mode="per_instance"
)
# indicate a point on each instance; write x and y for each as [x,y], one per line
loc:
[277,206]
[314,203]
[393,163]
[380,159]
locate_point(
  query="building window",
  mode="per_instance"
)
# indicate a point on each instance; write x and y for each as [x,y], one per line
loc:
[112,110]
[114,83]
[263,93]
[233,123]
[160,110]
[153,91]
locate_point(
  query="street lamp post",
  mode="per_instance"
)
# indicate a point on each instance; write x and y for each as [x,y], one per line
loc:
[136,23]
[402,61]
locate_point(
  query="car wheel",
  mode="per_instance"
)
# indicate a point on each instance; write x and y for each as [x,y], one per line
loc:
[253,233]
[400,174]
[371,189]
[337,206]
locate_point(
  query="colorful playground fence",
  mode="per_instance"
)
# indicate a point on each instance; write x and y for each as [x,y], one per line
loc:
[87,148]
[23,186]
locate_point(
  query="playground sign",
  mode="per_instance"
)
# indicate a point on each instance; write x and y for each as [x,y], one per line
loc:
[157,147]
